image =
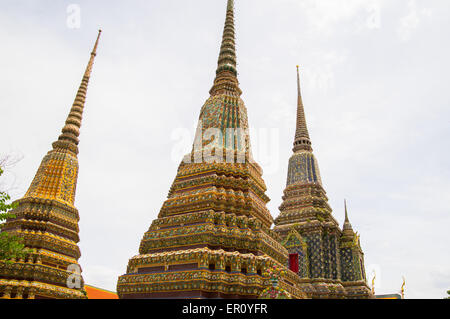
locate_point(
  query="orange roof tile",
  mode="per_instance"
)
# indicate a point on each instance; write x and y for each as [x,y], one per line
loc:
[98,293]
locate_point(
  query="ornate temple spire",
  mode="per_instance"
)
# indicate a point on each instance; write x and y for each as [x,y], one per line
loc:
[218,188]
[47,220]
[226,74]
[302,140]
[305,210]
[71,130]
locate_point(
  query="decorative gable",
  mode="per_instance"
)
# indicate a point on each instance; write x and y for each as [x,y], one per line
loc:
[294,240]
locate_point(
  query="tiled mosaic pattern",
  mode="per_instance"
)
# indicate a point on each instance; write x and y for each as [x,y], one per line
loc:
[303,168]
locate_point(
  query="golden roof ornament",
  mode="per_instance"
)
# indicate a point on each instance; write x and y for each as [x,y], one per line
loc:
[403,287]
[373,282]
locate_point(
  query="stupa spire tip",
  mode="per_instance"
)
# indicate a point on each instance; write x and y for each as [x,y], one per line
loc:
[346,212]
[347,224]
[226,73]
[302,141]
[71,130]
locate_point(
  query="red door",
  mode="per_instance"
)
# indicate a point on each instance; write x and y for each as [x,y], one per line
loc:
[293,262]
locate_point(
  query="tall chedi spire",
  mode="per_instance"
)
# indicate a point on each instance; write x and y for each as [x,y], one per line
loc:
[226,74]
[212,238]
[309,231]
[301,141]
[47,220]
[71,131]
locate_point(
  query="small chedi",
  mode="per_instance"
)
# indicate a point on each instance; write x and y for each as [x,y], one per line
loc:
[213,236]
[329,261]
[47,220]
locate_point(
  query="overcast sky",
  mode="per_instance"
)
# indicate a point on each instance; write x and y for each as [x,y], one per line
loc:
[375,86]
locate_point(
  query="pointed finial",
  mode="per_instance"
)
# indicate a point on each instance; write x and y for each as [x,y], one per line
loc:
[348,229]
[94,51]
[346,212]
[71,130]
[373,282]
[302,140]
[226,74]
[403,287]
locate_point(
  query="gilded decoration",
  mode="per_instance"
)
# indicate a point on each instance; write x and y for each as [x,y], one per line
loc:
[47,220]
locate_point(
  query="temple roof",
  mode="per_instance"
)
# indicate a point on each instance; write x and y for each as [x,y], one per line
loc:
[98,293]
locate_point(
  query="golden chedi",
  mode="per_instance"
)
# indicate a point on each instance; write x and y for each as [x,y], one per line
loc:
[47,219]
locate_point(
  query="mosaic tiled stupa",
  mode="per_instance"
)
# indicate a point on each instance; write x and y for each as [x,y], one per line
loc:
[329,261]
[47,219]
[212,237]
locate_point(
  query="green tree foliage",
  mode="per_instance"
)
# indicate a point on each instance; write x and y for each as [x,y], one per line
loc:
[10,246]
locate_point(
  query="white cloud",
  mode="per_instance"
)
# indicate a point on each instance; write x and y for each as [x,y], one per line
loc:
[101,276]
[325,14]
[412,20]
